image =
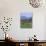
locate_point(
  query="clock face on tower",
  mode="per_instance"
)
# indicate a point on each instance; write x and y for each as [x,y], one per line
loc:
[35,3]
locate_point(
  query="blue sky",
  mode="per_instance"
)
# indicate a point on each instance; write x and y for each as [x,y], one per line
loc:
[26,14]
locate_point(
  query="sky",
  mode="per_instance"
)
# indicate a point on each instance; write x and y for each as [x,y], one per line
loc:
[26,14]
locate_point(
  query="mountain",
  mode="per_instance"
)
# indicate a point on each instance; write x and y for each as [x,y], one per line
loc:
[25,18]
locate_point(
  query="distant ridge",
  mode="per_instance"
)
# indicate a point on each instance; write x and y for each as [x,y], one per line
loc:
[24,17]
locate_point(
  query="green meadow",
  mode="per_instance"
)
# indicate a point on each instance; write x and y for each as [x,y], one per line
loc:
[26,24]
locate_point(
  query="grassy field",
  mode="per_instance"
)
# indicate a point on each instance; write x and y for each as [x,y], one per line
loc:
[26,24]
